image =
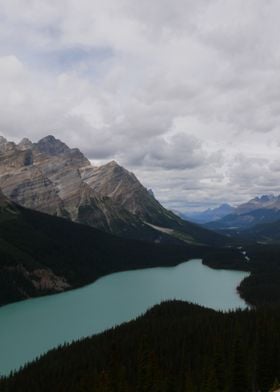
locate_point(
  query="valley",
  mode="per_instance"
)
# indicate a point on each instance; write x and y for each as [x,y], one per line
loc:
[139,196]
[92,237]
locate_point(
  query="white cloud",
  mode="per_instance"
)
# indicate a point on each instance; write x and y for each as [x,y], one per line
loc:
[185,93]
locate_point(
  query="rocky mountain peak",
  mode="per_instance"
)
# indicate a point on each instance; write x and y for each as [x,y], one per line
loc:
[266,198]
[50,177]
[3,141]
[113,163]
[113,168]
[52,146]
[263,198]
[6,146]
[264,201]
[25,144]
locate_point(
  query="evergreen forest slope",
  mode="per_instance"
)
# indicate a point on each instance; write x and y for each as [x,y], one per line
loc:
[174,347]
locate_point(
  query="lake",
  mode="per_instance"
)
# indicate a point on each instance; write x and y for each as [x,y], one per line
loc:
[30,328]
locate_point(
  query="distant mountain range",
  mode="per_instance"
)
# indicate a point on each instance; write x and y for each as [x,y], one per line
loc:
[50,177]
[269,202]
[245,220]
[258,220]
[209,215]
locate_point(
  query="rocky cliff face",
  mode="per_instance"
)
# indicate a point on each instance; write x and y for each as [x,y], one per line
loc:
[125,190]
[50,177]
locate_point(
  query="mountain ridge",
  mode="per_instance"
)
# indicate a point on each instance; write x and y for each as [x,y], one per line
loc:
[50,177]
[259,210]
[209,215]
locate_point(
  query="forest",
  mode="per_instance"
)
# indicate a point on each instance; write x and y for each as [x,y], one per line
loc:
[262,285]
[31,240]
[174,347]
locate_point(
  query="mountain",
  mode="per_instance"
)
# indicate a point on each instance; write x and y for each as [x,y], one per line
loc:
[260,210]
[50,177]
[173,347]
[239,222]
[209,215]
[259,202]
[43,254]
[264,233]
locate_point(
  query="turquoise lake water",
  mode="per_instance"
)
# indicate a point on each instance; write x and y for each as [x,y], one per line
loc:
[30,328]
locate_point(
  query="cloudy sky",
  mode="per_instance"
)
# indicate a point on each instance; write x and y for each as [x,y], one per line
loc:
[185,93]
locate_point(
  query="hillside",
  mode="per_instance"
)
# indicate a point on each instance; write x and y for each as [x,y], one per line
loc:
[263,233]
[42,254]
[50,177]
[174,347]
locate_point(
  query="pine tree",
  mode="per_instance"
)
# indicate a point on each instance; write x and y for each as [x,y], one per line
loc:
[240,375]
